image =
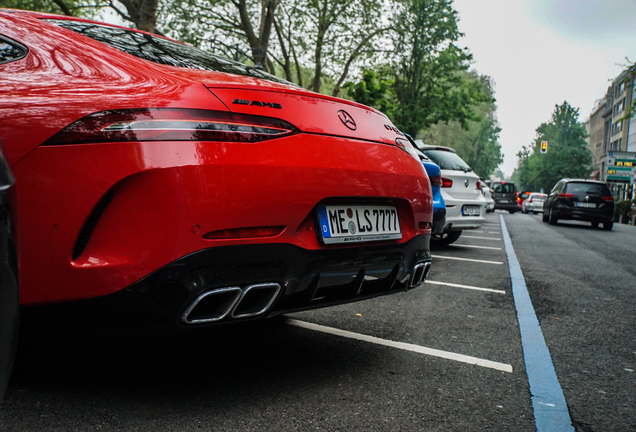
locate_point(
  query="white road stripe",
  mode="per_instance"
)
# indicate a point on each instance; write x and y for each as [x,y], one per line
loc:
[476,247]
[403,346]
[466,259]
[466,287]
[482,238]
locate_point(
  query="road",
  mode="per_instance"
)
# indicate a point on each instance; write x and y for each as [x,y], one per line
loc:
[445,356]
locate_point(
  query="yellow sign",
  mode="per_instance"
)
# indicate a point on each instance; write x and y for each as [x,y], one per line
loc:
[611,171]
[626,164]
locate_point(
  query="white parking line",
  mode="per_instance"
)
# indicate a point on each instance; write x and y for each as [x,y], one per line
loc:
[466,259]
[476,247]
[403,346]
[465,287]
[482,238]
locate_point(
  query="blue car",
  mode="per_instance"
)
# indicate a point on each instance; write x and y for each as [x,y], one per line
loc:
[435,175]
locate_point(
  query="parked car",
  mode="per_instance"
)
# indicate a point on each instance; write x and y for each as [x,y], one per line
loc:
[435,176]
[505,196]
[487,192]
[149,169]
[579,199]
[9,292]
[534,203]
[461,190]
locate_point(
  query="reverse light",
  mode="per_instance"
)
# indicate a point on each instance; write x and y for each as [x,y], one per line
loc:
[565,195]
[446,182]
[239,233]
[170,124]
[436,180]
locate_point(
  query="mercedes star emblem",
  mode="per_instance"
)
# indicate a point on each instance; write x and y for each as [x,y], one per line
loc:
[347,120]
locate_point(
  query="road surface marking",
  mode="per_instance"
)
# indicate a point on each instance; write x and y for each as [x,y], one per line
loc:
[466,259]
[482,238]
[465,286]
[548,402]
[403,346]
[476,247]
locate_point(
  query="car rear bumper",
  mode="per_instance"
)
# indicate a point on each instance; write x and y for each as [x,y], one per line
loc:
[584,215]
[242,283]
[455,220]
[103,216]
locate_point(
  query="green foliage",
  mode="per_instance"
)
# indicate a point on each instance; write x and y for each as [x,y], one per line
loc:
[622,207]
[372,90]
[80,8]
[427,86]
[475,141]
[568,155]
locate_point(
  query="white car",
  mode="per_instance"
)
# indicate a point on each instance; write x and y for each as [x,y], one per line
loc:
[461,190]
[534,203]
[490,202]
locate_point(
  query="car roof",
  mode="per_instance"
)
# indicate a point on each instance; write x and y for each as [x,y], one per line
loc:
[432,147]
[569,180]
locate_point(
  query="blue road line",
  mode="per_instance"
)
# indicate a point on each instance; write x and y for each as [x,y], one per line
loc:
[550,409]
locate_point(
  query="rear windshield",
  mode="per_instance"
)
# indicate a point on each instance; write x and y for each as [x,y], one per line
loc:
[163,51]
[537,196]
[447,160]
[505,188]
[587,189]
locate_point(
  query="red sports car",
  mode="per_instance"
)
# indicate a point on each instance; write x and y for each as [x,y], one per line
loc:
[146,168]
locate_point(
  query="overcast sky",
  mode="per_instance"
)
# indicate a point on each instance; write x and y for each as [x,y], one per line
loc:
[543,52]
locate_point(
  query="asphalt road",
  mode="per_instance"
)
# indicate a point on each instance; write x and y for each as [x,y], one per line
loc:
[445,356]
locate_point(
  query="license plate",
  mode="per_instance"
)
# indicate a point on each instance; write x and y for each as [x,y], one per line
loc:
[358,223]
[504,201]
[585,204]
[470,210]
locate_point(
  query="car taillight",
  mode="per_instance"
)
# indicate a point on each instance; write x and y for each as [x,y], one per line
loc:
[436,180]
[608,198]
[446,182]
[404,144]
[170,124]
[529,200]
[478,185]
[565,195]
[518,200]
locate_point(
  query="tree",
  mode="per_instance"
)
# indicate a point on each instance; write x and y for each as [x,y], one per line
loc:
[567,155]
[476,141]
[428,87]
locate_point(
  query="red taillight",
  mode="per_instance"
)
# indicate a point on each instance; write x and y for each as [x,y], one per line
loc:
[565,195]
[437,181]
[608,198]
[518,200]
[446,182]
[405,144]
[479,185]
[170,124]
[239,233]
[530,199]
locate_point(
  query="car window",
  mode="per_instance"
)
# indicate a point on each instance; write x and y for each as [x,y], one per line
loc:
[447,160]
[11,50]
[505,188]
[587,189]
[163,51]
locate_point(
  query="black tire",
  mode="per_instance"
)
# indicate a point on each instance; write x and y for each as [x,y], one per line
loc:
[594,224]
[544,216]
[511,211]
[445,238]
[552,218]
[607,226]
[9,324]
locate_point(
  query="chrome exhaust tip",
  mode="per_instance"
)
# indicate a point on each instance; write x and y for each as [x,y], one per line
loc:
[420,271]
[212,305]
[256,299]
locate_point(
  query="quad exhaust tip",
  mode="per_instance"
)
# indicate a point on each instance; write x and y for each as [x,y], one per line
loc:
[219,303]
[420,271]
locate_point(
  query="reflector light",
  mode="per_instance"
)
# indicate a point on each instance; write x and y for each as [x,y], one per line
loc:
[446,182]
[170,124]
[565,195]
[239,233]
[608,198]
[437,180]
